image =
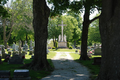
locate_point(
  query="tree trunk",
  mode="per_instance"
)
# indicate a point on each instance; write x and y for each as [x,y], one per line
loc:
[4,33]
[85,34]
[75,43]
[53,42]
[110,37]
[40,22]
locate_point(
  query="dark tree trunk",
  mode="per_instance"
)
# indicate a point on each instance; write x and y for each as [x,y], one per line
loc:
[40,22]
[110,36]
[75,44]
[27,38]
[86,23]
[53,42]
[22,43]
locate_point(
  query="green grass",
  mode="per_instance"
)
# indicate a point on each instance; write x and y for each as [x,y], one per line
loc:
[64,50]
[94,69]
[35,75]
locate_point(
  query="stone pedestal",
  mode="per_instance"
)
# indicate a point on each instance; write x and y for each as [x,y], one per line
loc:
[62,44]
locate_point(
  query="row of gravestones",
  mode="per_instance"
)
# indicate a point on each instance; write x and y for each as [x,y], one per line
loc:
[18,74]
[17,58]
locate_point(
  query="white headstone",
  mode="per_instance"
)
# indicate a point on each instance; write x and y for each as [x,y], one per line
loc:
[14,47]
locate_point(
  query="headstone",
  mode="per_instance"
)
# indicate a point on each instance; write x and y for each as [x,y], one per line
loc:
[21,74]
[14,47]
[17,48]
[30,48]
[62,39]
[16,59]
[97,51]
[25,47]
[89,54]
[4,74]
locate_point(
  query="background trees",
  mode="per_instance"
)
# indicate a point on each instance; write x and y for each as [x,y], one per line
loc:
[94,33]
[71,29]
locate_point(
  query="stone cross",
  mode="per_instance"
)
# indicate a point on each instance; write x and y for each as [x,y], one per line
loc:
[62,28]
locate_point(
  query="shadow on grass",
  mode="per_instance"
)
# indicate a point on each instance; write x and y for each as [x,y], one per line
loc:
[35,75]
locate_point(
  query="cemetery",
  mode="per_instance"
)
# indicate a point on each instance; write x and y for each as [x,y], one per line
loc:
[59,39]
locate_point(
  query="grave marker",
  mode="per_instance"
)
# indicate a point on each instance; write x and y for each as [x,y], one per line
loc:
[16,59]
[4,74]
[21,74]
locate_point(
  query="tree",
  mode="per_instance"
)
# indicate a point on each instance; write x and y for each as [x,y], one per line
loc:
[110,32]
[53,29]
[76,6]
[94,33]
[23,29]
[40,21]
[3,11]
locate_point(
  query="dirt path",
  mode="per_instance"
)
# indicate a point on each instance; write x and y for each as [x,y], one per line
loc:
[67,69]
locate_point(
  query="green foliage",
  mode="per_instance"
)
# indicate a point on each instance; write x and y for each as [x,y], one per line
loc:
[70,47]
[54,30]
[22,17]
[53,47]
[94,33]
[68,44]
[58,7]
[3,11]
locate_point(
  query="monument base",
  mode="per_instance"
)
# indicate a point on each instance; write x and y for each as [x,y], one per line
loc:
[62,44]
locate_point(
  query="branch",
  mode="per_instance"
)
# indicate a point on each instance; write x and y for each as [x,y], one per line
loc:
[11,25]
[94,19]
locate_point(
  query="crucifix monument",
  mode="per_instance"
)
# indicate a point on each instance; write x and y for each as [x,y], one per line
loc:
[62,43]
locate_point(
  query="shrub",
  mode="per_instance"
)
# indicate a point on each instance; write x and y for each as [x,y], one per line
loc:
[70,47]
[68,44]
[53,47]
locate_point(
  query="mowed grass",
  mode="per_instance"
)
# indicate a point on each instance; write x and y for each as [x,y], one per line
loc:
[64,50]
[35,75]
[94,69]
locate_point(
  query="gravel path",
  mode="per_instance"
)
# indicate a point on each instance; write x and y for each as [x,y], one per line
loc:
[67,69]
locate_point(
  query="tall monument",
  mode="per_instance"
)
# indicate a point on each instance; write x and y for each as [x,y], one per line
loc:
[62,43]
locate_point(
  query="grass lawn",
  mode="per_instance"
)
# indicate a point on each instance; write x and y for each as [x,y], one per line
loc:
[64,50]
[34,74]
[94,69]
